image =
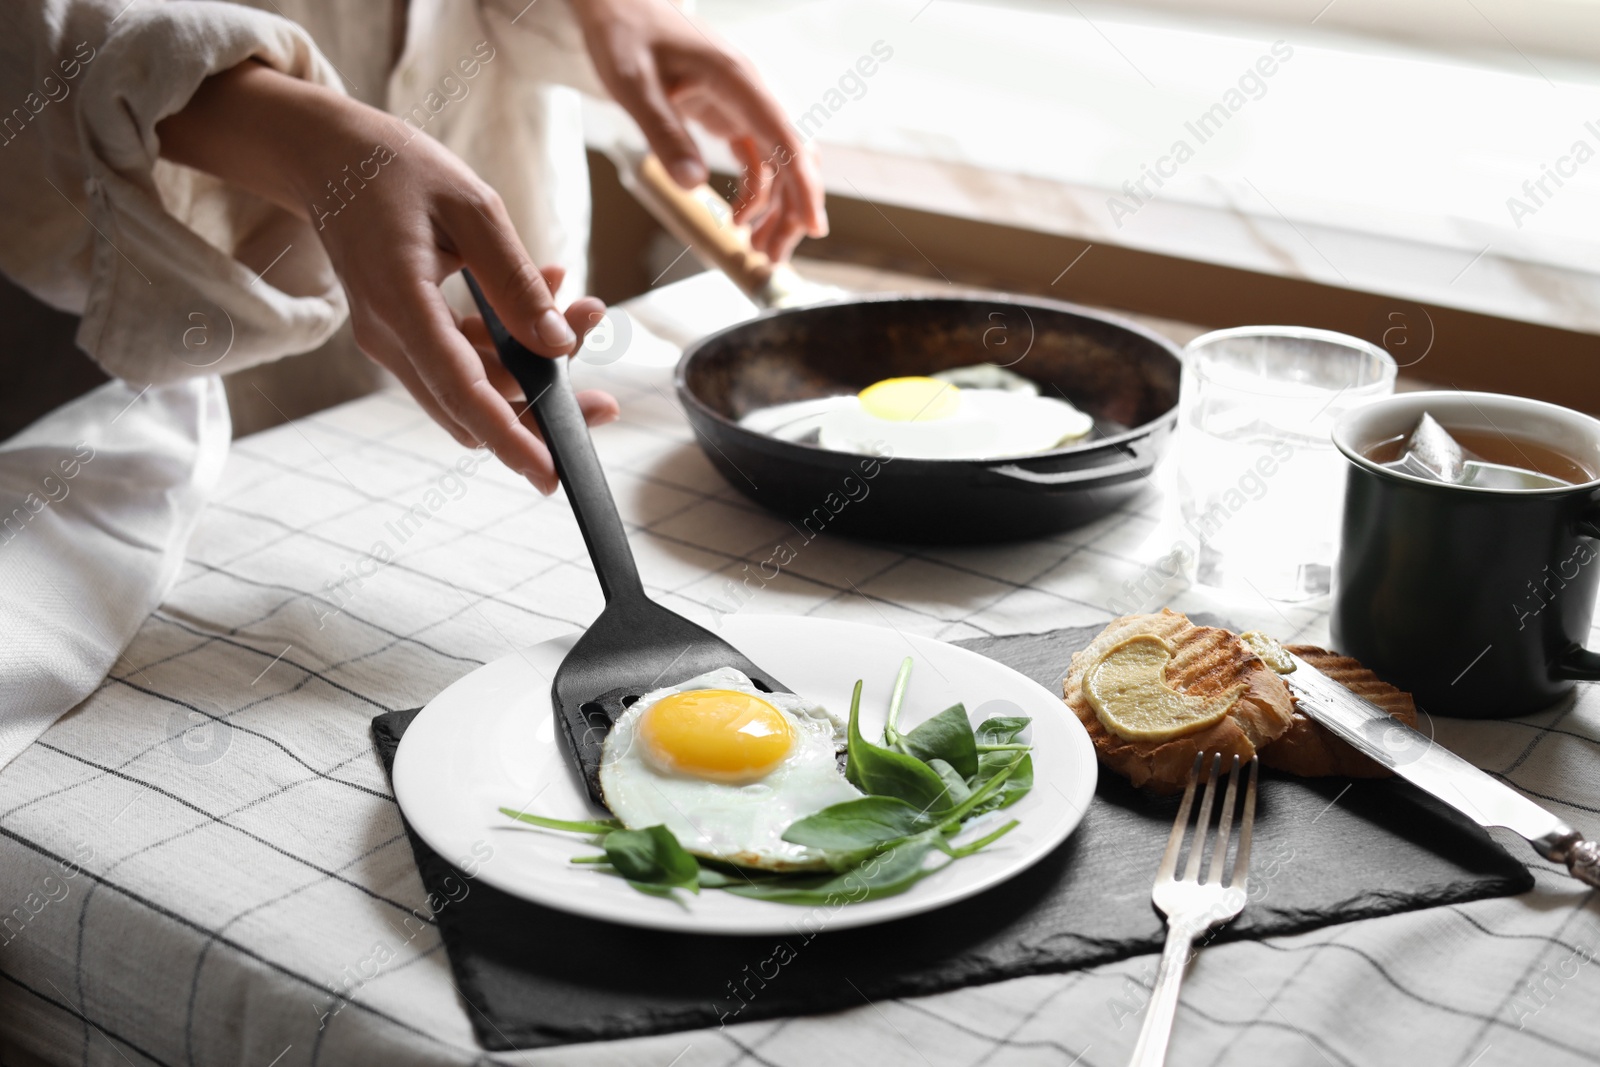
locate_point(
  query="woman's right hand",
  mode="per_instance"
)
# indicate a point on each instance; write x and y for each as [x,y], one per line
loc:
[665,68]
[397,214]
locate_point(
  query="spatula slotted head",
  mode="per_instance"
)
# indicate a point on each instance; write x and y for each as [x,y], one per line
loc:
[636,645]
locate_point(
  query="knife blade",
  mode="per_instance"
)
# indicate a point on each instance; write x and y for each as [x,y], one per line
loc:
[1430,766]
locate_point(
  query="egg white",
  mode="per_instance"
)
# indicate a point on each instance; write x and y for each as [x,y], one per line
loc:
[741,824]
[987,376]
[796,420]
[987,424]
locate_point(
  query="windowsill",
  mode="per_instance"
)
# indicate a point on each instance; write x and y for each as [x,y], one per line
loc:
[1358,164]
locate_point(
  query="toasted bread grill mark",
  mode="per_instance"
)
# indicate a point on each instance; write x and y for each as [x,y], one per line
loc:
[1208,662]
[1360,681]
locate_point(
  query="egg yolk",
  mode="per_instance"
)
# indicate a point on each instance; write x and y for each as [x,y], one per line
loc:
[717,734]
[910,399]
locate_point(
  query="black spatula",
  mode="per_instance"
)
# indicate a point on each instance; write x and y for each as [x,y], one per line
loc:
[636,645]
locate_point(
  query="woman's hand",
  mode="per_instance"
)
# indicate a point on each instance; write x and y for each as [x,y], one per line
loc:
[397,214]
[666,68]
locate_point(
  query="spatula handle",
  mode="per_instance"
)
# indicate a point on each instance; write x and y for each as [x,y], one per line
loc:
[560,420]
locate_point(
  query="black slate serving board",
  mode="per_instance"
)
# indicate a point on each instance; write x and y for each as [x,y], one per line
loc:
[1323,854]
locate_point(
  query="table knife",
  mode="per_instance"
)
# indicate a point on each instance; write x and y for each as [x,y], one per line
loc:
[1430,766]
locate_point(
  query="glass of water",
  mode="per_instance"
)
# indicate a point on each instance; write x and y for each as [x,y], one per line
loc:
[1260,486]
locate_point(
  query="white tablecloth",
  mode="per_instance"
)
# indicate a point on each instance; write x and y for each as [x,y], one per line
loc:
[203,863]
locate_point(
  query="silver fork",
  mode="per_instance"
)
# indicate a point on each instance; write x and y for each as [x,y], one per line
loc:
[1190,905]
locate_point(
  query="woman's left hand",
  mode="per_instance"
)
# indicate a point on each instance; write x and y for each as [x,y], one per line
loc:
[666,68]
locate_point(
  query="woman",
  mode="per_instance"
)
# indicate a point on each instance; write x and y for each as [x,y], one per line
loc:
[211,186]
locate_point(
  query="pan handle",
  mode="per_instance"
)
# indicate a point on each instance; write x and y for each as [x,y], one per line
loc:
[702,219]
[1131,465]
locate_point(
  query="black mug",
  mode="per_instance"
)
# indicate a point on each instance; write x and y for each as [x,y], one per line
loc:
[1476,601]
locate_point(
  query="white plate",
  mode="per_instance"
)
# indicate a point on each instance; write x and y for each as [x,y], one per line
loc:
[490,741]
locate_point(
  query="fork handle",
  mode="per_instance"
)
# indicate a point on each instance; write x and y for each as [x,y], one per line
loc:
[555,409]
[1151,1050]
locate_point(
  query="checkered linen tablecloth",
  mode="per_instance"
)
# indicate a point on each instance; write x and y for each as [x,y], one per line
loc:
[242,893]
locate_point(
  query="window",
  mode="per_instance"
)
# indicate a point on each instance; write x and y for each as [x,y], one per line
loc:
[1411,149]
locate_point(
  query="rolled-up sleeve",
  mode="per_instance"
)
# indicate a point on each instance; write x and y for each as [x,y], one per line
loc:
[174,272]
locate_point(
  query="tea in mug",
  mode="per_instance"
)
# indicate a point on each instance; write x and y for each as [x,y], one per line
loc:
[1491,446]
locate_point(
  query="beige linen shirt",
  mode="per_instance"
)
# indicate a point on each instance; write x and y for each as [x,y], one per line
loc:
[174,272]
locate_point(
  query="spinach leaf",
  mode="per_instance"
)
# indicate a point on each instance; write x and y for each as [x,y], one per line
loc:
[1017,786]
[711,878]
[977,846]
[1002,730]
[597,826]
[718,874]
[652,857]
[986,792]
[997,744]
[885,772]
[885,874]
[954,784]
[859,824]
[892,738]
[946,736]
[1014,788]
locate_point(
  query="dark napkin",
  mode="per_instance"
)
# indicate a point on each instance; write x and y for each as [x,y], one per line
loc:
[1326,851]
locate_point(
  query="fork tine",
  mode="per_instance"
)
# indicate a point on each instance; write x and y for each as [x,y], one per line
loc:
[1191,869]
[1224,825]
[1169,859]
[1241,864]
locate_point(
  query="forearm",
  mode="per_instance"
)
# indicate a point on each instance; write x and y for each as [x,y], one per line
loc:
[269,133]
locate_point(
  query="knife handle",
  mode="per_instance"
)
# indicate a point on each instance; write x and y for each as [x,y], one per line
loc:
[1566,845]
[1584,862]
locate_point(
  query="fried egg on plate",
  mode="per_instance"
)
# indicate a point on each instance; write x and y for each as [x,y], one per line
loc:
[726,767]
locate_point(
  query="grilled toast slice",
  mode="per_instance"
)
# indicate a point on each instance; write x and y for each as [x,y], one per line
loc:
[1206,661]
